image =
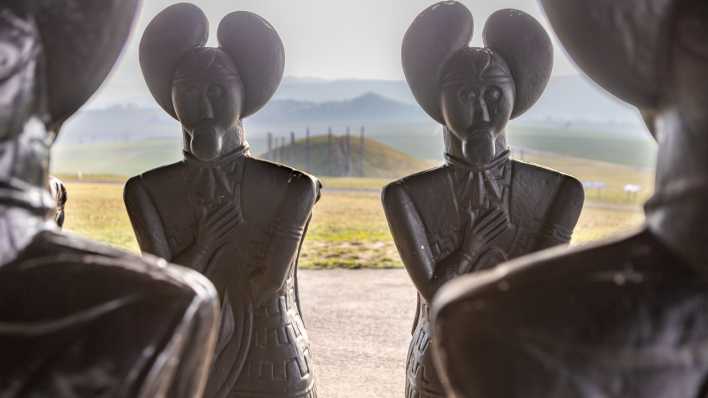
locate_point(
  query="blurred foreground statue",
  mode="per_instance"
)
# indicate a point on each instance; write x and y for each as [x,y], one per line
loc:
[626,317]
[238,220]
[57,190]
[481,208]
[78,319]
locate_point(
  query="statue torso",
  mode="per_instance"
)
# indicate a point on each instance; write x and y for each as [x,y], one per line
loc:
[528,194]
[627,319]
[262,350]
[70,310]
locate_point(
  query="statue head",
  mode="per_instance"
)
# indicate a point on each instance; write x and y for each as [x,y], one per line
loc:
[53,56]
[207,94]
[209,90]
[474,92]
[653,54]
[477,96]
[655,57]
[45,45]
[19,50]
[687,85]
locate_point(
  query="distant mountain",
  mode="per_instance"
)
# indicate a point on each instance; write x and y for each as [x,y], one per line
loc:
[573,117]
[322,90]
[128,123]
[118,124]
[566,99]
[367,108]
[575,100]
[569,102]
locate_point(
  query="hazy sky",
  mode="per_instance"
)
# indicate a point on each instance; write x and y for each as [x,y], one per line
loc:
[330,39]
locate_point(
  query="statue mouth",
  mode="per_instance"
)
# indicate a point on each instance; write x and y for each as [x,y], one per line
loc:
[481,129]
[206,141]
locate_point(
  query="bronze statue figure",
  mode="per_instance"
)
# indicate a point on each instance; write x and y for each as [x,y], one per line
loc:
[57,190]
[481,208]
[78,319]
[237,219]
[627,317]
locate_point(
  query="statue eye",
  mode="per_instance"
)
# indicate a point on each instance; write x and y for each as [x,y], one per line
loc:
[493,94]
[692,36]
[9,56]
[215,91]
[467,95]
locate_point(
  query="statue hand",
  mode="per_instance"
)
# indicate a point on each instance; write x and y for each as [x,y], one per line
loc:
[215,228]
[481,231]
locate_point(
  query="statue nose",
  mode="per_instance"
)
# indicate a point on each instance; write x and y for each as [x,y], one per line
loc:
[207,108]
[482,111]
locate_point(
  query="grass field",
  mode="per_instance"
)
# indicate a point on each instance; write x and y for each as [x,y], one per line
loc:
[348,229]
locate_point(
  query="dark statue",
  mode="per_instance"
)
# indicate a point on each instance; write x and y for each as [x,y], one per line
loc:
[236,219]
[481,208]
[78,319]
[627,317]
[57,190]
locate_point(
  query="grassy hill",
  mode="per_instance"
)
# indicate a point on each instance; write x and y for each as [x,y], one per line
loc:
[342,157]
[135,157]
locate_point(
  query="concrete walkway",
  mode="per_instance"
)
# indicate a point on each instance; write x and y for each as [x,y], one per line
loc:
[359,323]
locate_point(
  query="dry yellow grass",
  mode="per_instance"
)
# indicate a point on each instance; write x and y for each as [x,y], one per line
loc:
[348,229]
[614,176]
[600,223]
[96,211]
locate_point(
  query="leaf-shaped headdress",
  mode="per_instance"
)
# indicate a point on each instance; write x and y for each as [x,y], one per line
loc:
[445,28]
[80,42]
[621,45]
[249,40]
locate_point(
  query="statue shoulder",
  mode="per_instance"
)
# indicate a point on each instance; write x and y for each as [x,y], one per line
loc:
[537,269]
[280,175]
[538,182]
[163,178]
[72,296]
[109,259]
[567,183]
[551,275]
[568,304]
[414,185]
[161,175]
[276,170]
[120,272]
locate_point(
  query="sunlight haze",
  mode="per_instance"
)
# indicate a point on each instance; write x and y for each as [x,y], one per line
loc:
[327,39]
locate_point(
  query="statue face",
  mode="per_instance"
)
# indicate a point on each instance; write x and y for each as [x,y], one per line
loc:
[18,40]
[208,95]
[477,95]
[689,88]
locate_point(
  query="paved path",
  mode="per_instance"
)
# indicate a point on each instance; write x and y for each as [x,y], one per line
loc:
[359,323]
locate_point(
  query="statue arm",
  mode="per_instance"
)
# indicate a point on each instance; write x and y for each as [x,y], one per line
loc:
[285,237]
[410,238]
[564,214]
[145,219]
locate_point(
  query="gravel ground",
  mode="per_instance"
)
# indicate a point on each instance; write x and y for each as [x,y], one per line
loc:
[359,323]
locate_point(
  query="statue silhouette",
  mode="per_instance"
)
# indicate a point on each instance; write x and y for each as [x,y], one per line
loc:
[79,319]
[481,208]
[238,220]
[626,317]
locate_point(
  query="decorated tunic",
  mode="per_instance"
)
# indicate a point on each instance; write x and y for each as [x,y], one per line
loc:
[447,199]
[263,348]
